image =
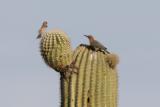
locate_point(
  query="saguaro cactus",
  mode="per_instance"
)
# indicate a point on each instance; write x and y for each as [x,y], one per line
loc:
[95,83]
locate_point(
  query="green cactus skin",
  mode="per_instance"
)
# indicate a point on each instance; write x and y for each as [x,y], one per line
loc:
[56,49]
[94,85]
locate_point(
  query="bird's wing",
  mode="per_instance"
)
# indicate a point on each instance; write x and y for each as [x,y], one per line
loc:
[99,45]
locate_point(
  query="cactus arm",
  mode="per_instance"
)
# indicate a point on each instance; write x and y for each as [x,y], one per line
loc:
[56,49]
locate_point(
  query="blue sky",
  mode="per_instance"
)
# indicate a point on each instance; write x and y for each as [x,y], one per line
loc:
[130,28]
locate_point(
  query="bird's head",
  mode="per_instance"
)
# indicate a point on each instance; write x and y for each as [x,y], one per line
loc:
[90,37]
[42,29]
[44,24]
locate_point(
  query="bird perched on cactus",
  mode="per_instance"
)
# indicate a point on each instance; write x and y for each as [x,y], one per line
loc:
[42,29]
[94,44]
[56,50]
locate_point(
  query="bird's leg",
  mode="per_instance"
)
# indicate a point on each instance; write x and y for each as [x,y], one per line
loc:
[104,51]
[92,48]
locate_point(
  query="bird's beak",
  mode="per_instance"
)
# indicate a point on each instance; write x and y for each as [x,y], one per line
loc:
[86,36]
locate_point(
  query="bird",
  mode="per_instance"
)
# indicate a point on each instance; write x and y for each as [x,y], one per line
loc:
[42,29]
[96,45]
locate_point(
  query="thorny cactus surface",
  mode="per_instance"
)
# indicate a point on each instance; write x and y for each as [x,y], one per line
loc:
[56,49]
[96,81]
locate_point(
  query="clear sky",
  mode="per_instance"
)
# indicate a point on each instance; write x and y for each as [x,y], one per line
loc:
[130,28]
